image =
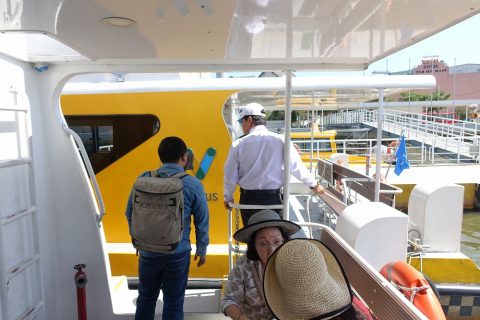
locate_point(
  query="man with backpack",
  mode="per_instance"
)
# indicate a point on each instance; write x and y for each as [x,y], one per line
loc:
[159,211]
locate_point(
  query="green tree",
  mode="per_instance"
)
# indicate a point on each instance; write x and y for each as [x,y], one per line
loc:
[385,99]
[435,96]
[280,115]
[413,96]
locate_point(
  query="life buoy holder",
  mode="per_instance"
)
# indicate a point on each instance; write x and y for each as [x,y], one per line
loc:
[414,287]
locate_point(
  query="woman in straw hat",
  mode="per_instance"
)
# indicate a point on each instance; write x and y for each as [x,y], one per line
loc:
[243,298]
[304,280]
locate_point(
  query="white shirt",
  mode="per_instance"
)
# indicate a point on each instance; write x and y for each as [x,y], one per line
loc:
[255,162]
[383,153]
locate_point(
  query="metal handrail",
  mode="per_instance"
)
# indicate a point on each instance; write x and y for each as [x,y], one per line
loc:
[460,137]
[231,248]
[91,174]
[344,181]
[410,120]
[452,142]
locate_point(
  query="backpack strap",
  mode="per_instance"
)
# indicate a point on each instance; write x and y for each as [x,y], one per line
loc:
[180,175]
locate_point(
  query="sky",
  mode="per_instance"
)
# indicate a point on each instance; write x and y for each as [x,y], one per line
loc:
[459,42]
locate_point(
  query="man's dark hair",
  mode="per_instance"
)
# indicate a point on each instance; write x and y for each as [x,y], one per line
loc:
[252,253]
[171,149]
[259,121]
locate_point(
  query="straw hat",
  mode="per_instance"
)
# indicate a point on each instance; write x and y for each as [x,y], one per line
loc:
[303,280]
[264,219]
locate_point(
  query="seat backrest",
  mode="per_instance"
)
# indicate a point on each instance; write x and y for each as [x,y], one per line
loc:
[383,299]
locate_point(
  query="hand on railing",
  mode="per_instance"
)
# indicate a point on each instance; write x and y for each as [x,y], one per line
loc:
[318,189]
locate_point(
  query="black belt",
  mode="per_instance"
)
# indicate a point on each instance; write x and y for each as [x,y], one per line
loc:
[265,191]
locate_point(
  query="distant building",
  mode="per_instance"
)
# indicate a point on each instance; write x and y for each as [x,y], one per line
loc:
[462,82]
[465,68]
[431,65]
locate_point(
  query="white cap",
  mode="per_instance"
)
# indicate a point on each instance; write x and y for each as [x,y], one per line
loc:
[251,109]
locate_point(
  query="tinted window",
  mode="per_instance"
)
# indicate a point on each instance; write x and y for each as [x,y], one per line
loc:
[86,134]
[108,138]
[322,145]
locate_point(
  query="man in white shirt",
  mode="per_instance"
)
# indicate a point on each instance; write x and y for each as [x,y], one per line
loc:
[255,163]
[385,153]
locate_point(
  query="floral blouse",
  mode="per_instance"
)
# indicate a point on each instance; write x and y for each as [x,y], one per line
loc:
[242,291]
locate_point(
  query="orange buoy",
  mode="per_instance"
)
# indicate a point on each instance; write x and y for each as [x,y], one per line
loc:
[414,287]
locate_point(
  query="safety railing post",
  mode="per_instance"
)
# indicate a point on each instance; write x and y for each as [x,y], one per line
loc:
[433,151]
[230,243]
[233,206]
[458,150]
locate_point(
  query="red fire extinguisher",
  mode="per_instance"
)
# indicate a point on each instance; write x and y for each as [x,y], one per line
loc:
[80,282]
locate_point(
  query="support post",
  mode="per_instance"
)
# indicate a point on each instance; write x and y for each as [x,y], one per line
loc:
[286,148]
[378,149]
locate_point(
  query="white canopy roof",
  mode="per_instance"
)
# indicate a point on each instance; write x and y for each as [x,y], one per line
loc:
[224,34]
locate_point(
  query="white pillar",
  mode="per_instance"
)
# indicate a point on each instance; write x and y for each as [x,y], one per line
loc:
[286,149]
[378,151]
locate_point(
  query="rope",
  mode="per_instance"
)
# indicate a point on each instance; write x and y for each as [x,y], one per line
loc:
[237,226]
[414,290]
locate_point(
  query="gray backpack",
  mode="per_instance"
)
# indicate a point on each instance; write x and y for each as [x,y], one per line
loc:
[157,216]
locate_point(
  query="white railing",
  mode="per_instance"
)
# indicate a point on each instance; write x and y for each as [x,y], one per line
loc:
[91,174]
[419,122]
[235,249]
[423,152]
[432,139]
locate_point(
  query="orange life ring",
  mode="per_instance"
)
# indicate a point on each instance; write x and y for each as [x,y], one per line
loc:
[415,288]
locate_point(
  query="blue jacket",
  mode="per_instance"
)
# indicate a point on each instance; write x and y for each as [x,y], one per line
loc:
[195,203]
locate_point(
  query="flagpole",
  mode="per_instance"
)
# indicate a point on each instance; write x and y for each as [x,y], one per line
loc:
[378,149]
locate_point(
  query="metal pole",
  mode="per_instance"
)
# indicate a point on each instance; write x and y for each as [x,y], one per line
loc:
[230,241]
[431,92]
[378,150]
[409,90]
[311,133]
[454,85]
[80,282]
[286,148]
[322,127]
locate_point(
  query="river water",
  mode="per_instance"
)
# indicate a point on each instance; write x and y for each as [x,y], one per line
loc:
[471,235]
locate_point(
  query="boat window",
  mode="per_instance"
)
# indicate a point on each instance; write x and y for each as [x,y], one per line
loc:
[105,139]
[319,145]
[108,138]
[323,145]
[86,134]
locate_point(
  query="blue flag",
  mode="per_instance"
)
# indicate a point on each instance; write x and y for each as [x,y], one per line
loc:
[402,159]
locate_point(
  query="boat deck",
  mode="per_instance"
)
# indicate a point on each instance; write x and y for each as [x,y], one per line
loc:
[419,174]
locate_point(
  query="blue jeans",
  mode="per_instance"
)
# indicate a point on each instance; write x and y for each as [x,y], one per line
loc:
[169,273]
